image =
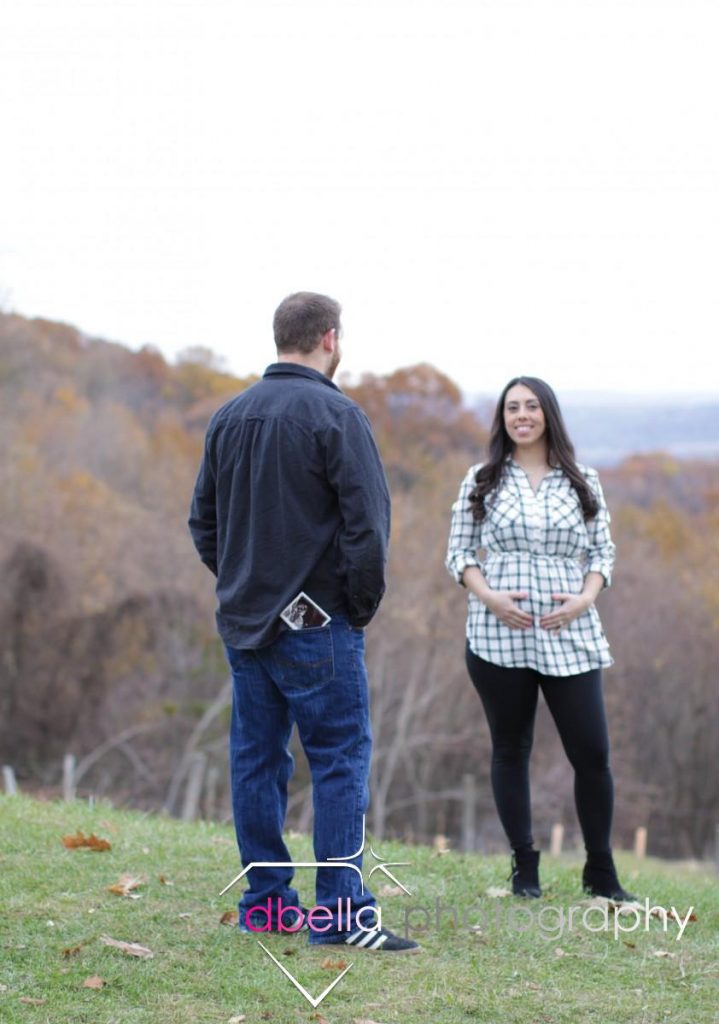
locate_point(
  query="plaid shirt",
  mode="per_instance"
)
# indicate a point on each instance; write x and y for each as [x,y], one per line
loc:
[538,543]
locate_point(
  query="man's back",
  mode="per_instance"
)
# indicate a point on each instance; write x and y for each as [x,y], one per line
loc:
[291,496]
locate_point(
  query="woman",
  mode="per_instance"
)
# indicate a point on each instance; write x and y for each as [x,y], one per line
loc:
[543,527]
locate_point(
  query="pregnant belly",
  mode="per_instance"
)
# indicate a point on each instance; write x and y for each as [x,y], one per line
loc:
[538,576]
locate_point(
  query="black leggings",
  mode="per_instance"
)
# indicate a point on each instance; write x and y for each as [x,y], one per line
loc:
[509,696]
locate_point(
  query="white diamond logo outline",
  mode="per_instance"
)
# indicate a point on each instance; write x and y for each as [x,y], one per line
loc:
[315,1002]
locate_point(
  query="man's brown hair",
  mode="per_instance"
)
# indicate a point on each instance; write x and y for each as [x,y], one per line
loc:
[302,318]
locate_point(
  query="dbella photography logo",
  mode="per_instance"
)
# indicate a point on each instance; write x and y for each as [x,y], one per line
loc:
[552,922]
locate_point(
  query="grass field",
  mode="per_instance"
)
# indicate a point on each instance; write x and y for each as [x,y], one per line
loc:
[522,966]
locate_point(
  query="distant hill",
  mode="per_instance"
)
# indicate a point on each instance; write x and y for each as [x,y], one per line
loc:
[608,428]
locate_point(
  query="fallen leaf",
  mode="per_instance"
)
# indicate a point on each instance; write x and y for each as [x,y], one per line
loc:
[559,952]
[266,1015]
[229,917]
[632,945]
[94,982]
[496,892]
[29,1001]
[594,901]
[391,890]
[125,885]
[319,1018]
[328,964]
[186,914]
[165,881]
[363,1020]
[91,842]
[71,951]
[693,917]
[238,1019]
[3,988]
[289,952]
[131,948]
[664,952]
[604,901]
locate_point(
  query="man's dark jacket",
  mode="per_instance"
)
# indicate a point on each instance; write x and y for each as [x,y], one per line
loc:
[291,496]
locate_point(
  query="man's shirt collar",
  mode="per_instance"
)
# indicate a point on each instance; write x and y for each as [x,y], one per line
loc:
[298,370]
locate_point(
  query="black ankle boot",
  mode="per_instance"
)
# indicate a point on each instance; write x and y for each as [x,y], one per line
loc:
[599,878]
[525,873]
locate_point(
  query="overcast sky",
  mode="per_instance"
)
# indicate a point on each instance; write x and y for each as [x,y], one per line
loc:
[495,187]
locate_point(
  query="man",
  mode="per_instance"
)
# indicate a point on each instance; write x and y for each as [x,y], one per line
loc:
[291,498]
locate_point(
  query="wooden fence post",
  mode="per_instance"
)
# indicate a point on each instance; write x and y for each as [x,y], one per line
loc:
[9,780]
[211,782]
[640,843]
[555,843]
[469,816]
[195,775]
[68,777]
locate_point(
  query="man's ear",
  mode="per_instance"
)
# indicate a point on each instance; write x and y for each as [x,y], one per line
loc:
[329,340]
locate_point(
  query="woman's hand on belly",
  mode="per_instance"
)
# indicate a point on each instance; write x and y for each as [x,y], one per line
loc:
[573,605]
[501,603]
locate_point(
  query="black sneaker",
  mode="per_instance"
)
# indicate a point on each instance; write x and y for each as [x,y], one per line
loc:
[378,940]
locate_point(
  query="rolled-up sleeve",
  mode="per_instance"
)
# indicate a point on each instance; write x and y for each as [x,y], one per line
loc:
[465,534]
[601,552]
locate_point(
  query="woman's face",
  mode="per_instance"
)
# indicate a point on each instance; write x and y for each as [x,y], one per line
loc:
[523,417]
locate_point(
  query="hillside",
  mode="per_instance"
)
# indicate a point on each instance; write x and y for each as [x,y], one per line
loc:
[516,967]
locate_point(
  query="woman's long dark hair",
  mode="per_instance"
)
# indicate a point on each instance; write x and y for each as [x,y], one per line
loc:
[560,450]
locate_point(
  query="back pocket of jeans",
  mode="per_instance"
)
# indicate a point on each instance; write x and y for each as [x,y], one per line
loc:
[305,657]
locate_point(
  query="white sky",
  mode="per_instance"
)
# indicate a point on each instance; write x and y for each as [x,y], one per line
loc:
[495,187]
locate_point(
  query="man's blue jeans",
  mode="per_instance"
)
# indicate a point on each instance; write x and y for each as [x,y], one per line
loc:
[316,678]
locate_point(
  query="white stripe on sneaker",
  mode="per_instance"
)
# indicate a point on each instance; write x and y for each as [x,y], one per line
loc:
[369,938]
[379,941]
[352,939]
